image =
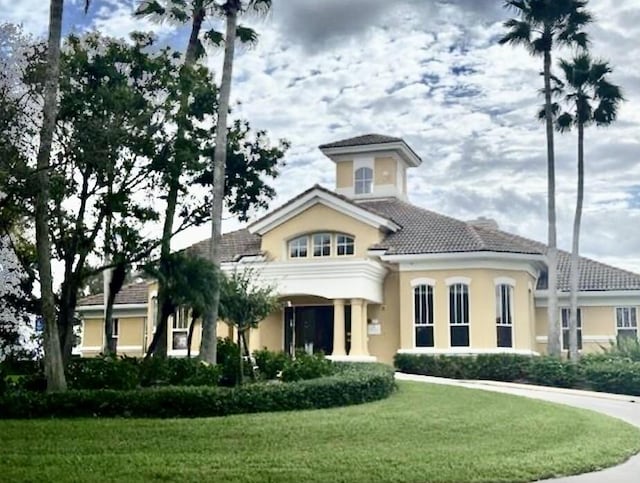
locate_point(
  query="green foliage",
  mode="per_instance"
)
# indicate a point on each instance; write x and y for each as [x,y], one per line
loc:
[228,354]
[626,348]
[306,366]
[102,373]
[617,376]
[609,372]
[551,371]
[270,363]
[129,373]
[352,384]
[244,302]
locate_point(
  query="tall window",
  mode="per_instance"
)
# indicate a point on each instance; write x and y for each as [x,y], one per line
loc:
[116,328]
[363,180]
[504,315]
[565,315]
[459,314]
[423,315]
[321,245]
[298,247]
[345,245]
[627,322]
[180,329]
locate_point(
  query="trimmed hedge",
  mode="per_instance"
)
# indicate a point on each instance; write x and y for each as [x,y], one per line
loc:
[352,384]
[598,372]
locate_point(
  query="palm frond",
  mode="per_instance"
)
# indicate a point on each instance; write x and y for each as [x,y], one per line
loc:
[246,35]
[564,122]
[519,33]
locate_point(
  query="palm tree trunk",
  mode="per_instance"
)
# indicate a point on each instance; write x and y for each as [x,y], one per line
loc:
[192,326]
[575,250]
[54,369]
[209,338]
[553,336]
[158,346]
[118,276]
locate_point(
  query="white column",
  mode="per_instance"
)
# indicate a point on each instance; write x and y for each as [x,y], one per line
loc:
[338,328]
[357,334]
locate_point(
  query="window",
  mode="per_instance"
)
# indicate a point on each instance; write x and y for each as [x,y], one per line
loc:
[364,181]
[116,328]
[423,315]
[459,314]
[180,329]
[321,245]
[345,245]
[298,247]
[626,322]
[504,315]
[565,314]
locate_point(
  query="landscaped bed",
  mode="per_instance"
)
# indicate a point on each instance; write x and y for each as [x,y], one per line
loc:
[421,433]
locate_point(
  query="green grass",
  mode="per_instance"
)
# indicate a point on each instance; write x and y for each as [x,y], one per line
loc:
[421,433]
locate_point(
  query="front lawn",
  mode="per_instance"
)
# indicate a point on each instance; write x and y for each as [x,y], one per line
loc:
[421,433]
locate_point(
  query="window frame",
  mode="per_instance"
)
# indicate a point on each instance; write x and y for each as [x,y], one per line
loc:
[459,288]
[363,177]
[116,328]
[632,309]
[345,245]
[428,285]
[322,246]
[504,290]
[290,247]
[567,310]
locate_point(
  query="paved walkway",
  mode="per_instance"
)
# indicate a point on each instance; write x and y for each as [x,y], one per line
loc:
[626,408]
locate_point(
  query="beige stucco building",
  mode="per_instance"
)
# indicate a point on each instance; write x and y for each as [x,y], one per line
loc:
[363,274]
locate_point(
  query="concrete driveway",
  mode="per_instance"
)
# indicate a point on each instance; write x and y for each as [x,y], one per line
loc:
[626,408]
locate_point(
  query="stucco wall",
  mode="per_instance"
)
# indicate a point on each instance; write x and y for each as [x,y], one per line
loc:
[318,218]
[385,345]
[482,310]
[385,171]
[344,174]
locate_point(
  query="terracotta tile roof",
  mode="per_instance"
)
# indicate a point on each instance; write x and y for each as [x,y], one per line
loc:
[427,232]
[361,141]
[235,244]
[424,231]
[133,293]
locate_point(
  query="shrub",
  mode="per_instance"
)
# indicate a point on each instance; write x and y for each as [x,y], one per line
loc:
[270,363]
[497,367]
[351,384]
[306,366]
[617,376]
[102,373]
[550,371]
[177,372]
[228,354]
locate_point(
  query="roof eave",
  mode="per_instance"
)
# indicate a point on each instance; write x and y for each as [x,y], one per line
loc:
[406,153]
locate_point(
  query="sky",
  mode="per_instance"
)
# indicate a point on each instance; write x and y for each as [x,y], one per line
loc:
[433,73]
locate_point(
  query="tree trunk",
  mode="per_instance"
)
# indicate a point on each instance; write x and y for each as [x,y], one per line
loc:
[247,354]
[240,376]
[115,284]
[209,336]
[554,332]
[575,250]
[54,369]
[194,317]
[158,345]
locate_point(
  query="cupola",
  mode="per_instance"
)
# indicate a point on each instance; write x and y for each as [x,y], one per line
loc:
[371,166]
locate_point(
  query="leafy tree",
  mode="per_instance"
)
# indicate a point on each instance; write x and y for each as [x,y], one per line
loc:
[14,321]
[244,303]
[590,99]
[541,25]
[231,9]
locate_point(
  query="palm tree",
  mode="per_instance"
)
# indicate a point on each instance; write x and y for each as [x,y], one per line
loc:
[586,84]
[231,10]
[177,11]
[541,25]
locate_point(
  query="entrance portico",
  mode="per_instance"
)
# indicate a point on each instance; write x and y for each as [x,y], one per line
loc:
[336,327]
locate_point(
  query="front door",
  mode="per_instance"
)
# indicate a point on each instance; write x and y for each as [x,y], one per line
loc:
[309,329]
